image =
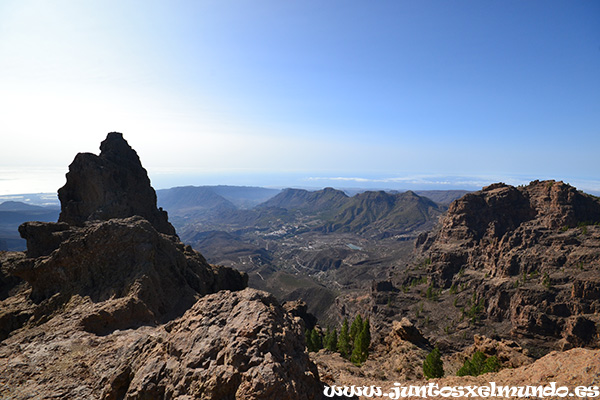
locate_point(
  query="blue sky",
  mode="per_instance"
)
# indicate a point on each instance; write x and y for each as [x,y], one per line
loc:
[390,94]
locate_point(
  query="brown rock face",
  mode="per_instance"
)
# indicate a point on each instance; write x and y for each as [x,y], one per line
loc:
[406,330]
[229,345]
[111,185]
[125,258]
[530,255]
[299,309]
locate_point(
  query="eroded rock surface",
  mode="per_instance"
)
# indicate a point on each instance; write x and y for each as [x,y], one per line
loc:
[229,345]
[531,255]
[110,185]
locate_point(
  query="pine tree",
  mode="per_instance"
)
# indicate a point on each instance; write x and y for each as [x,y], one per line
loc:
[360,352]
[357,356]
[327,337]
[367,327]
[343,344]
[316,339]
[331,340]
[309,342]
[433,367]
[356,327]
[479,364]
[492,364]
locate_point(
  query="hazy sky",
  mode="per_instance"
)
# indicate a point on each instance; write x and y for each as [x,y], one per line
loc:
[386,93]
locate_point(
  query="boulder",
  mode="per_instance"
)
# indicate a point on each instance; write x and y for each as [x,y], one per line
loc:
[406,330]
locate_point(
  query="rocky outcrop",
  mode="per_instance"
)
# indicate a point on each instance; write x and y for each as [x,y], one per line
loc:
[111,305]
[509,353]
[407,331]
[529,256]
[299,309]
[229,345]
[125,258]
[111,185]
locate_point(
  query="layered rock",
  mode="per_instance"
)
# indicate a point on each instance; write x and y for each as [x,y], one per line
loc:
[529,254]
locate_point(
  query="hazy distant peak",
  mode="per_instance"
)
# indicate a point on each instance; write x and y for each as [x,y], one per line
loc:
[18,206]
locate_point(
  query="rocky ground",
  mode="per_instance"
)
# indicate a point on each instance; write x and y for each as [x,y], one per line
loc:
[399,358]
[572,368]
[514,263]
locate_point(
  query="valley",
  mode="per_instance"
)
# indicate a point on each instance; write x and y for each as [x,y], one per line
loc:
[305,245]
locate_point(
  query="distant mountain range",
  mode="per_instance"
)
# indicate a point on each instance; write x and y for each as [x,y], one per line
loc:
[381,212]
[311,202]
[374,212]
[239,207]
[378,213]
[198,199]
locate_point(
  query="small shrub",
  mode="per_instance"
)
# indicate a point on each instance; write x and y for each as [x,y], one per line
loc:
[479,364]
[477,307]
[453,289]
[546,281]
[431,293]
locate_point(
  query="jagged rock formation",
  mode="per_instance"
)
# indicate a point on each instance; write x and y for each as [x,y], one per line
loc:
[229,345]
[111,185]
[123,258]
[530,255]
[112,305]
[508,352]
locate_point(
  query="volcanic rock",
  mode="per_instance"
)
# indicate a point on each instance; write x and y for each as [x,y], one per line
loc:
[229,345]
[111,185]
[509,353]
[529,256]
[406,330]
[299,308]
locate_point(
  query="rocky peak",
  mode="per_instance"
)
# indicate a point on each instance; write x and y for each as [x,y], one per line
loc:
[111,185]
[113,246]
[499,208]
[559,204]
